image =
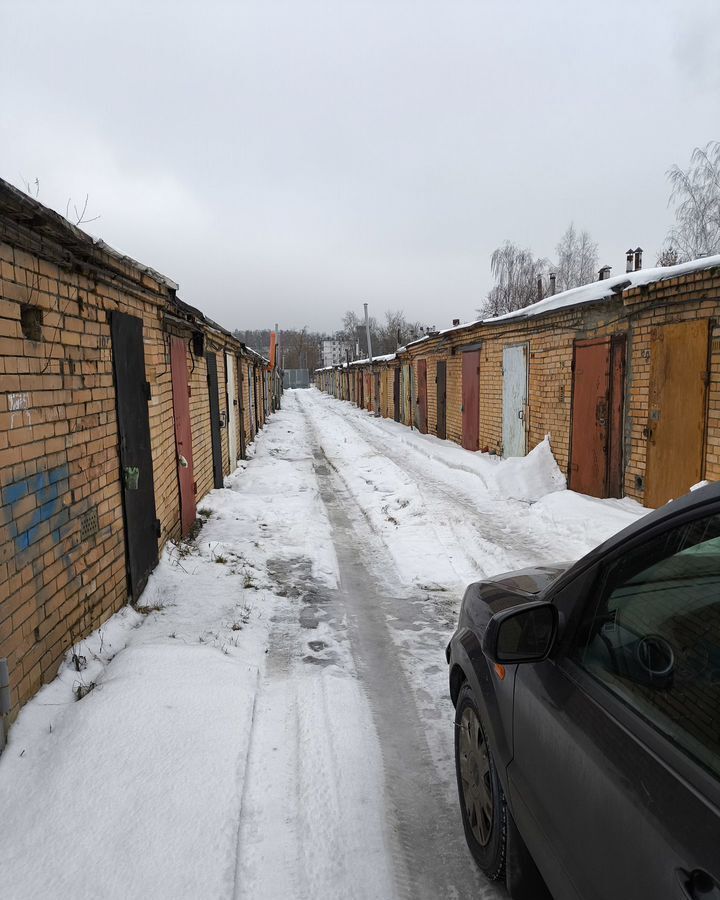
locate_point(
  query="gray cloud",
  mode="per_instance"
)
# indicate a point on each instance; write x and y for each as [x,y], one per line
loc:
[287,160]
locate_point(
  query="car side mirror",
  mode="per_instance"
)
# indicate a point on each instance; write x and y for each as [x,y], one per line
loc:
[522,634]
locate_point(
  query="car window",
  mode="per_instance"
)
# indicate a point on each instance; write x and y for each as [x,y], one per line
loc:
[653,637]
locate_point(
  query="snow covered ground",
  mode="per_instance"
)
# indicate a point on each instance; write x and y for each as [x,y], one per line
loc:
[275,723]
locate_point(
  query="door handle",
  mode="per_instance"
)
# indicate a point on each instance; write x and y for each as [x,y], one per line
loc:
[696,885]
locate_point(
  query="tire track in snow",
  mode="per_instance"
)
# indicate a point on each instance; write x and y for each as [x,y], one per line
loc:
[497,524]
[457,552]
[430,858]
[311,825]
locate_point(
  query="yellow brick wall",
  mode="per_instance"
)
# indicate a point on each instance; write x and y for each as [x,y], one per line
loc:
[59,457]
[551,342]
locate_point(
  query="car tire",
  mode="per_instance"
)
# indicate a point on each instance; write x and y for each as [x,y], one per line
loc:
[482,801]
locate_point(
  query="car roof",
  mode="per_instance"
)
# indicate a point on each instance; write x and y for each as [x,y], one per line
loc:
[705,496]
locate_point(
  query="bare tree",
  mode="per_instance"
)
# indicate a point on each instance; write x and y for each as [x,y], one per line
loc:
[668,256]
[350,323]
[80,216]
[397,331]
[516,273]
[353,331]
[696,195]
[577,259]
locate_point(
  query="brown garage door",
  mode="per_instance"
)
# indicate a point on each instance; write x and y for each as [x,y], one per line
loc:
[597,423]
[676,410]
[471,399]
[441,381]
[421,402]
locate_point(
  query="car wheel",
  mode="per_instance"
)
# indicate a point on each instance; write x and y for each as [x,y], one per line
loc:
[482,802]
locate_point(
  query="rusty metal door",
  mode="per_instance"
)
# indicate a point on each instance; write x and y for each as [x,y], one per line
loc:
[675,430]
[396,394]
[183,433]
[232,409]
[421,404]
[471,400]
[515,397]
[212,381]
[441,382]
[251,399]
[405,394]
[132,393]
[256,404]
[242,412]
[376,389]
[590,413]
[412,389]
[614,485]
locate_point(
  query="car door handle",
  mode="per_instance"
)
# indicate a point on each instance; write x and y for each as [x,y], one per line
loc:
[696,885]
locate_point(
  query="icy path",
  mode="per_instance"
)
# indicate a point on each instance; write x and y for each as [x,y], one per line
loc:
[277,724]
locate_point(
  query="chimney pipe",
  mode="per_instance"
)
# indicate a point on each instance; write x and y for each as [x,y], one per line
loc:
[552,283]
[638,259]
[629,260]
[604,273]
[456,322]
[539,288]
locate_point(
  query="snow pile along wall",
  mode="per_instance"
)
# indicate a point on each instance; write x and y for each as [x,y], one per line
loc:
[527,477]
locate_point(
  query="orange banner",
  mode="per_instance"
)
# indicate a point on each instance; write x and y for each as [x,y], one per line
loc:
[273,346]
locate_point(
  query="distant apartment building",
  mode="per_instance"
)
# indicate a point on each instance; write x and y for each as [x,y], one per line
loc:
[335,352]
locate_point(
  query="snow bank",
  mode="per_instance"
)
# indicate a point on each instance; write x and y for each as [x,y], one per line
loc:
[133,793]
[135,790]
[448,516]
[584,520]
[528,477]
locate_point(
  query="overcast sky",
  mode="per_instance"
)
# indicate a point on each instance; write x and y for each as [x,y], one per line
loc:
[285,161]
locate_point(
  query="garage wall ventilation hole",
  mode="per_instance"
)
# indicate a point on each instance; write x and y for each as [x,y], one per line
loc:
[89,523]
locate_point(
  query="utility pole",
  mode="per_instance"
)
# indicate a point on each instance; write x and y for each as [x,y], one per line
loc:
[367,333]
[277,368]
[370,358]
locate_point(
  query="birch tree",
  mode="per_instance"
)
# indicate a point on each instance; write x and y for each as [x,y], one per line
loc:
[695,194]
[516,272]
[577,259]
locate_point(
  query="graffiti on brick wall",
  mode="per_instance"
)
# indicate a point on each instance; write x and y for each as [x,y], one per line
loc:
[19,409]
[36,507]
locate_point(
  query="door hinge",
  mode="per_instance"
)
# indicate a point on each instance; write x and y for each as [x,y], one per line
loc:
[158,528]
[148,391]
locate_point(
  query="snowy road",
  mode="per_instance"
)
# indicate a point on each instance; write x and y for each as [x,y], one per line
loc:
[291,734]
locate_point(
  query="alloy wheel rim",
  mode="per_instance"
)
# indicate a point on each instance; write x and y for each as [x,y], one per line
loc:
[475,776]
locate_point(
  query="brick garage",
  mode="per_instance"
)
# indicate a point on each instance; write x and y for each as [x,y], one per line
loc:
[63,552]
[646,312]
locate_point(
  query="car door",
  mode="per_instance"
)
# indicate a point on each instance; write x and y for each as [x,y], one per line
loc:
[615,777]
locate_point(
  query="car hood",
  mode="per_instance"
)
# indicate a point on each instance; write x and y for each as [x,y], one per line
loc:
[534,579]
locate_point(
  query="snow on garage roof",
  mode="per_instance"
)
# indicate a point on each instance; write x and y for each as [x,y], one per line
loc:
[601,290]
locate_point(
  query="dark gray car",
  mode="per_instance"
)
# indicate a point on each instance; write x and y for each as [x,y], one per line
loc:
[587,726]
